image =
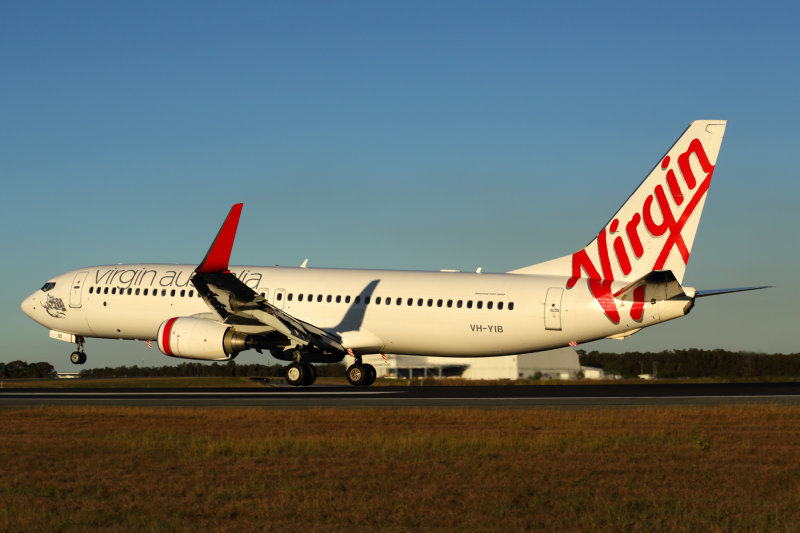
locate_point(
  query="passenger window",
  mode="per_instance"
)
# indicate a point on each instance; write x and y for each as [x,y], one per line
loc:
[163,292]
[129,291]
[500,305]
[338,299]
[357,300]
[469,304]
[439,303]
[419,302]
[91,290]
[378,300]
[449,303]
[459,303]
[113,290]
[299,297]
[410,301]
[388,300]
[480,304]
[399,301]
[289,297]
[510,306]
[191,294]
[329,298]
[172,292]
[105,290]
[430,302]
[489,305]
[137,292]
[366,300]
[319,297]
[347,299]
[183,293]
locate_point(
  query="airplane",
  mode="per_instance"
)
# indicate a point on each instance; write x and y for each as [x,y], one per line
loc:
[627,278]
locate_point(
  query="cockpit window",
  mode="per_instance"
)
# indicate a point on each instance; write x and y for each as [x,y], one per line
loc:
[48,286]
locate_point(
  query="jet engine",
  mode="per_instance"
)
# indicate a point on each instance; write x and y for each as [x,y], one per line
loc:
[200,338]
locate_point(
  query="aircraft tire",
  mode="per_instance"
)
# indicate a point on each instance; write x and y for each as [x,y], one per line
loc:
[77,358]
[295,374]
[356,375]
[372,375]
[311,374]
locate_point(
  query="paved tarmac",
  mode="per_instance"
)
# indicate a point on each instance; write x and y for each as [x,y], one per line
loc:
[282,396]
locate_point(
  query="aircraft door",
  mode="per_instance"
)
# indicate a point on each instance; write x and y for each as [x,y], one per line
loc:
[552,309]
[278,298]
[76,289]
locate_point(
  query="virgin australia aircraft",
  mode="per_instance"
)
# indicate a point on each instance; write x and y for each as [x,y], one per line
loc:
[629,277]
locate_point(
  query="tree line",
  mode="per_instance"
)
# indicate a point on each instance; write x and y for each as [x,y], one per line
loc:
[694,363]
[21,369]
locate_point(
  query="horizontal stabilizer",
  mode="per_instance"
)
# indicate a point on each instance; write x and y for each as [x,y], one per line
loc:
[714,292]
[657,285]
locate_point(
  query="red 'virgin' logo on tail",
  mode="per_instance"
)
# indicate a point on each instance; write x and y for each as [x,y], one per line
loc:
[669,229]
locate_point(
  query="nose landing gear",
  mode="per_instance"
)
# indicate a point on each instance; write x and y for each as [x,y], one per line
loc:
[78,357]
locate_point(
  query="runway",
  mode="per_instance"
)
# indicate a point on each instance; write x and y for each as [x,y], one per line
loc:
[558,396]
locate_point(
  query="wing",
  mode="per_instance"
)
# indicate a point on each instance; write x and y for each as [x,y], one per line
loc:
[237,304]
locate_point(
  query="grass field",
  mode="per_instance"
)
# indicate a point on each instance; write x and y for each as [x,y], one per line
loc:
[455,469]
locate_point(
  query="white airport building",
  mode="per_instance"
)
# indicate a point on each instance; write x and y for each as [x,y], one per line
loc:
[552,364]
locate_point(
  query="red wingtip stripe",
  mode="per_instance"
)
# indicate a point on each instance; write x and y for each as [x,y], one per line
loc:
[218,256]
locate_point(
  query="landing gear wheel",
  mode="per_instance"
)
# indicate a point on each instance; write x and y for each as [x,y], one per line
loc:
[372,375]
[357,375]
[311,374]
[77,358]
[296,374]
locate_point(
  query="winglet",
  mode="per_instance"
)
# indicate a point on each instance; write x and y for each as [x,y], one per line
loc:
[217,257]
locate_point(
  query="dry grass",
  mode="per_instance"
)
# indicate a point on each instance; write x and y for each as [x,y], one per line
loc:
[456,469]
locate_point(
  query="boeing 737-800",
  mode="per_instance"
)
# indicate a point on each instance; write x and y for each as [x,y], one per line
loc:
[629,277]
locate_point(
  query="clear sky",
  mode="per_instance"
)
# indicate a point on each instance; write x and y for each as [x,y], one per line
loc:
[411,135]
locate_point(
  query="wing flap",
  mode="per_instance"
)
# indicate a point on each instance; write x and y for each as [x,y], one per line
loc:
[236,303]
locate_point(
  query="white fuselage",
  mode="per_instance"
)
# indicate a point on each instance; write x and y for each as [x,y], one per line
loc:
[409,312]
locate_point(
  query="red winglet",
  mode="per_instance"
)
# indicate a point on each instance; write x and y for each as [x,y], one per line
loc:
[216,260]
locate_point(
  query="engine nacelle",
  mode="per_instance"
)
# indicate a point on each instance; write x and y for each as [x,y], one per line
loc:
[199,338]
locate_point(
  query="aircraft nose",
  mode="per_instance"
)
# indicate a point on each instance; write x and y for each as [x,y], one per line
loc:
[28,306]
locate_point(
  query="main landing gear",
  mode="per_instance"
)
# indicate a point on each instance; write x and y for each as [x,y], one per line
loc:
[299,373]
[78,357]
[361,374]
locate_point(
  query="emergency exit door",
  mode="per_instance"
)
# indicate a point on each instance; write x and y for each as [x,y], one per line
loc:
[278,298]
[552,309]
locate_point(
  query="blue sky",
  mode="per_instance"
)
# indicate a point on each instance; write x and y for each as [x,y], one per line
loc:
[420,135]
